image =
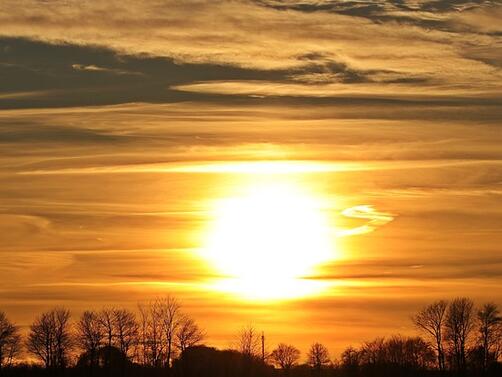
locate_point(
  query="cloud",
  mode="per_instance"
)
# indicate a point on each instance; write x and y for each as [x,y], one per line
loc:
[209,137]
[385,271]
[366,90]
[23,95]
[41,74]
[95,68]
[185,33]
[54,134]
[434,14]
[375,219]
[482,20]
[263,167]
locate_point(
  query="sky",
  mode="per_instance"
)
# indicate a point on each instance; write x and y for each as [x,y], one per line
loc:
[124,126]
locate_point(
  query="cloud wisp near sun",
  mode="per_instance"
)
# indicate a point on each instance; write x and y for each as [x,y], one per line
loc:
[270,240]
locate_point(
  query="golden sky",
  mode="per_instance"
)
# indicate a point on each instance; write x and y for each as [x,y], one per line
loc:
[365,136]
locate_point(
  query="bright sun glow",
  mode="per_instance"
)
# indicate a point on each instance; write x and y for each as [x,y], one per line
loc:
[268,240]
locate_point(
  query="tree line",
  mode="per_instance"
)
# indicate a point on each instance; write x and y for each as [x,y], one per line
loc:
[456,339]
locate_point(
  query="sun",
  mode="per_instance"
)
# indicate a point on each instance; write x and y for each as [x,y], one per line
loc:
[268,240]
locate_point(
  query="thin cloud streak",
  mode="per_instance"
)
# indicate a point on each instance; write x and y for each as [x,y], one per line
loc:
[261,167]
[366,90]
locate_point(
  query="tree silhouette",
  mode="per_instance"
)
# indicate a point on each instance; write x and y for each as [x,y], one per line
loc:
[490,333]
[431,320]
[350,360]
[90,336]
[152,335]
[115,361]
[318,357]
[395,356]
[286,356]
[50,338]
[188,333]
[107,320]
[248,342]
[112,343]
[459,325]
[118,329]
[164,329]
[10,341]
[170,311]
[125,329]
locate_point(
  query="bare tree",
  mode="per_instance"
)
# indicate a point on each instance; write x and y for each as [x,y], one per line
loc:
[350,358]
[120,330]
[248,342]
[10,341]
[490,326]
[188,333]
[418,353]
[40,340]
[50,338]
[125,329]
[431,320]
[143,338]
[318,357]
[395,351]
[373,352]
[459,325]
[406,352]
[152,335]
[160,321]
[64,339]
[286,356]
[107,321]
[90,335]
[169,308]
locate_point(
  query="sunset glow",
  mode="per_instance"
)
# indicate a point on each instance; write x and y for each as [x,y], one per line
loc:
[268,240]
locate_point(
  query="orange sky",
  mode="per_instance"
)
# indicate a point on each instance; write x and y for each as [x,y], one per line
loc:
[118,136]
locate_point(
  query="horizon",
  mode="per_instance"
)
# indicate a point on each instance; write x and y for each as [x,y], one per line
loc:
[270,340]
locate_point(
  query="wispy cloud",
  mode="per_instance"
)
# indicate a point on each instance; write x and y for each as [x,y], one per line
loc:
[186,34]
[361,90]
[374,219]
[95,68]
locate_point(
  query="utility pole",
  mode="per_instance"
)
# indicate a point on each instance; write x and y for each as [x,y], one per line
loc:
[263,346]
